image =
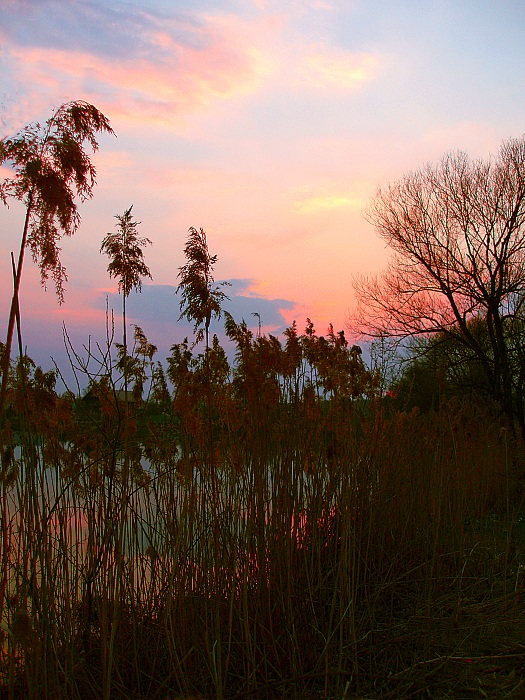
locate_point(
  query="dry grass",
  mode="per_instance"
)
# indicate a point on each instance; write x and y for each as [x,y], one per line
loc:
[304,549]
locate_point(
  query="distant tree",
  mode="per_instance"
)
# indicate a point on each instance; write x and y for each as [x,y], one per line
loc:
[441,367]
[201,298]
[457,230]
[50,167]
[124,248]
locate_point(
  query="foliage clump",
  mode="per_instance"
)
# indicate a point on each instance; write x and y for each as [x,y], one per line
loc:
[51,167]
[200,299]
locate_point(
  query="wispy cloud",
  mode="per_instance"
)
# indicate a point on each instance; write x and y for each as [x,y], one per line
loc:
[144,65]
[141,64]
[116,30]
[321,67]
[324,201]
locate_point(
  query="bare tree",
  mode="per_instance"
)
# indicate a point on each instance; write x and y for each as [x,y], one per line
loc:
[457,234]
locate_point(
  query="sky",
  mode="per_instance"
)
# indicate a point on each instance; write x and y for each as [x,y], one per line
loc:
[268,123]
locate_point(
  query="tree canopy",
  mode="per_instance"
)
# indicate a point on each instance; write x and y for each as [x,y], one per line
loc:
[201,298]
[51,167]
[124,248]
[456,230]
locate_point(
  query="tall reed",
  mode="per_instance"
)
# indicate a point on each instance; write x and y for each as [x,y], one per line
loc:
[343,548]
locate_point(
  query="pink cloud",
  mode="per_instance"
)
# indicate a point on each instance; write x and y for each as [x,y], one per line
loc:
[182,67]
[81,316]
[173,79]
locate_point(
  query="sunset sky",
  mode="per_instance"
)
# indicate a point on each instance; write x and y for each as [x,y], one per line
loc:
[268,123]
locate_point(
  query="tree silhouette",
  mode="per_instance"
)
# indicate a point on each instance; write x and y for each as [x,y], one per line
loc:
[201,300]
[124,247]
[457,230]
[441,367]
[50,168]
